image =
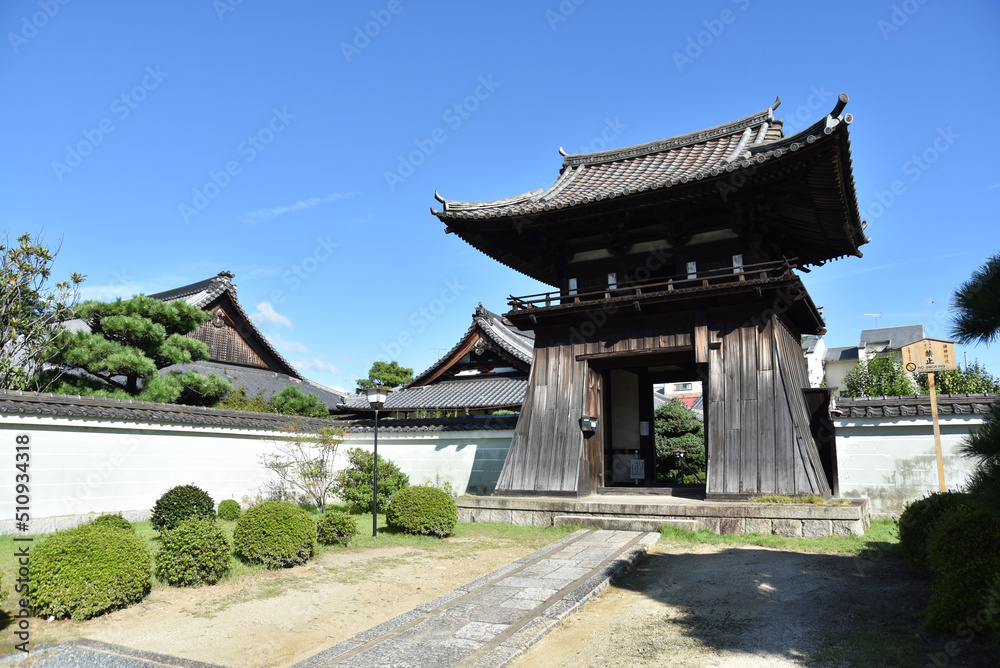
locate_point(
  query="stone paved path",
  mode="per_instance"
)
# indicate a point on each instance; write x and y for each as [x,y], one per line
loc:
[491,620]
[486,623]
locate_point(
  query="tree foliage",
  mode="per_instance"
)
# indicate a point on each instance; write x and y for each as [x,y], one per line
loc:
[29,309]
[676,427]
[385,374]
[876,376]
[984,447]
[976,304]
[289,401]
[977,319]
[128,342]
[354,483]
[305,461]
[974,379]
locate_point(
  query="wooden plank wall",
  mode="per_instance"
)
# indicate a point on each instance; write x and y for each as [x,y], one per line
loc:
[549,452]
[759,438]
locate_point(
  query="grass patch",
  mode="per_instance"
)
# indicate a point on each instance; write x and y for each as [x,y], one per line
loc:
[882,538]
[884,637]
[799,500]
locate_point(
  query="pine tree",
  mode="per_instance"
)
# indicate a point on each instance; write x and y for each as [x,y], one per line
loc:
[128,342]
[386,374]
[28,310]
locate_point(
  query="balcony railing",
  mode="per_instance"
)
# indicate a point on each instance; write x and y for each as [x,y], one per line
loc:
[751,274]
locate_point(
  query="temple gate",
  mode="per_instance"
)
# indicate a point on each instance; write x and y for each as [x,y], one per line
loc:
[674,261]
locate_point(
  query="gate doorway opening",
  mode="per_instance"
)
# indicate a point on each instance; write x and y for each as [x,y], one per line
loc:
[631,460]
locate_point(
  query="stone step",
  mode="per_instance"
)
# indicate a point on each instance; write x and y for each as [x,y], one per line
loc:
[625,523]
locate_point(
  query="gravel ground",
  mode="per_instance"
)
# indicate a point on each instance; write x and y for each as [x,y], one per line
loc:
[703,605]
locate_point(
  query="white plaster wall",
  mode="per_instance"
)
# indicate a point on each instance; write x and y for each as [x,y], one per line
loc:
[80,467]
[835,372]
[893,461]
[469,460]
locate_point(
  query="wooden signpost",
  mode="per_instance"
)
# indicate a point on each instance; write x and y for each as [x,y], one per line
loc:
[928,356]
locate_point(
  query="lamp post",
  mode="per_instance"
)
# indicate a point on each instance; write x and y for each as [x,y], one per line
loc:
[376,399]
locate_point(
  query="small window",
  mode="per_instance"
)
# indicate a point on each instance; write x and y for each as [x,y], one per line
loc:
[682,387]
[692,269]
[737,263]
[572,286]
[612,280]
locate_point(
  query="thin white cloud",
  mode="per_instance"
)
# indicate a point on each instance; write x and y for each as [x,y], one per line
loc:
[881,267]
[315,364]
[123,285]
[262,215]
[265,313]
[994,186]
[290,346]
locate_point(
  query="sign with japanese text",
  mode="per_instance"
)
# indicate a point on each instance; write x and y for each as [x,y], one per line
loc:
[928,355]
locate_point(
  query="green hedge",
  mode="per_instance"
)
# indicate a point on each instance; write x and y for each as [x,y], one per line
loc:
[336,528]
[114,522]
[918,520]
[423,510]
[354,483]
[180,503]
[229,510]
[964,554]
[193,553]
[276,534]
[87,571]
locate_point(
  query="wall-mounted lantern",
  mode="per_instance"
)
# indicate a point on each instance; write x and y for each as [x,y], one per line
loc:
[588,424]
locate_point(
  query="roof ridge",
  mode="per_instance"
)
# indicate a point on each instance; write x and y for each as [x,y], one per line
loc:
[697,137]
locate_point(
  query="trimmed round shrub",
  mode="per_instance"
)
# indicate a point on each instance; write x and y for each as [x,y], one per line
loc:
[354,483]
[423,510]
[276,534]
[336,528]
[229,510]
[180,503]
[193,553]
[964,554]
[87,571]
[918,520]
[114,522]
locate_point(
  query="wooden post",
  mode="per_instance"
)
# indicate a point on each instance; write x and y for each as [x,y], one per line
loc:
[937,432]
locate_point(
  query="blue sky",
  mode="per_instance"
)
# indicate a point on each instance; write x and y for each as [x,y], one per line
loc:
[299,144]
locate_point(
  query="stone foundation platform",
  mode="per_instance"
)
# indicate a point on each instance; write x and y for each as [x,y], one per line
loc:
[649,513]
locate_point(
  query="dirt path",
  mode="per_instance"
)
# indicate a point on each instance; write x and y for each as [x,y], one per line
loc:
[701,605]
[280,617]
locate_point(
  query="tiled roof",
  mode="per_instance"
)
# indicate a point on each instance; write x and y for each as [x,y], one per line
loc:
[203,293]
[587,177]
[468,423]
[57,405]
[495,328]
[896,337]
[593,177]
[914,406]
[842,354]
[475,393]
[256,380]
[807,176]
